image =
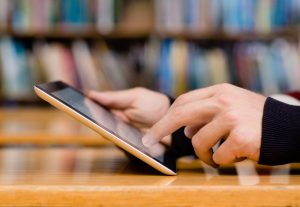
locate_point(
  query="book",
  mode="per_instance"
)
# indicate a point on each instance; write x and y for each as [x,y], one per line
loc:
[16,82]
[150,59]
[112,68]
[86,68]
[218,66]
[178,59]
[4,12]
[169,16]
[105,15]
[164,70]
[54,63]
[170,66]
[104,83]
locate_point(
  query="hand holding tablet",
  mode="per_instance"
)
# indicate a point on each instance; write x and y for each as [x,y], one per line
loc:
[100,119]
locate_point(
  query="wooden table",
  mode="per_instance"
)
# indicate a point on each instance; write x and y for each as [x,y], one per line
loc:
[44,126]
[74,174]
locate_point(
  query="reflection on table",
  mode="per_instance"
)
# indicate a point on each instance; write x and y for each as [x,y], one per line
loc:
[67,171]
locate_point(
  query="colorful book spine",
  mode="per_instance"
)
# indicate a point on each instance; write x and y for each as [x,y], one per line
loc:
[175,16]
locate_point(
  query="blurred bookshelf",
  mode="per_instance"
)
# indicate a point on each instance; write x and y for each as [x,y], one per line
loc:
[171,46]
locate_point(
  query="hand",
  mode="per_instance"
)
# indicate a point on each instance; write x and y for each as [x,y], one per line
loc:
[139,107]
[210,114]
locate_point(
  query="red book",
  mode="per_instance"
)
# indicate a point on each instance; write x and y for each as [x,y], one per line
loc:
[295,95]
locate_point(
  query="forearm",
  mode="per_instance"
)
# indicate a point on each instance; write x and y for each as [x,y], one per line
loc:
[280,133]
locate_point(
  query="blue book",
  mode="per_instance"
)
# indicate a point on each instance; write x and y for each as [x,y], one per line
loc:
[231,16]
[198,74]
[192,14]
[16,77]
[164,71]
[247,15]
[74,12]
[191,69]
[202,75]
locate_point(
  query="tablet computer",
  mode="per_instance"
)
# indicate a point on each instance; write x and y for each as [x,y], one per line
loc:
[100,119]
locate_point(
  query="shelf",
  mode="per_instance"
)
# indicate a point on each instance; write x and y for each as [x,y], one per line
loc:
[290,33]
[85,33]
[144,33]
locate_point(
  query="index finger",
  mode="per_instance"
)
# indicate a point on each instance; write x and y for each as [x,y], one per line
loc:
[199,94]
[197,112]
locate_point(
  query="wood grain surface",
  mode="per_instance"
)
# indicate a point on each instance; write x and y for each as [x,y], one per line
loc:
[101,175]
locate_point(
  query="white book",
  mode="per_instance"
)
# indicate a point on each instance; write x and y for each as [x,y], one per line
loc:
[4,11]
[175,15]
[105,15]
[160,14]
[291,64]
[53,62]
[113,70]
[264,60]
[86,67]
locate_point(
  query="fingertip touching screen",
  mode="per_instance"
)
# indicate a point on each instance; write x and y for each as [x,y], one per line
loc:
[101,116]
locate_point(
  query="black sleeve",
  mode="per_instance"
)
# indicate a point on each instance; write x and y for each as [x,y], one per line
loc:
[181,145]
[280,133]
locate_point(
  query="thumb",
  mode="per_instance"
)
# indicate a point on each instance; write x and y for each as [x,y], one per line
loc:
[113,99]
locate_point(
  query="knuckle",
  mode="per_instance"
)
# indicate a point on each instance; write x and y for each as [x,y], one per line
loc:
[178,111]
[224,86]
[181,99]
[240,142]
[231,117]
[237,141]
[197,146]
[238,145]
[223,99]
[139,89]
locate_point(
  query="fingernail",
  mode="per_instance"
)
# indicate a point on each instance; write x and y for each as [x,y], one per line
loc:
[147,141]
[186,132]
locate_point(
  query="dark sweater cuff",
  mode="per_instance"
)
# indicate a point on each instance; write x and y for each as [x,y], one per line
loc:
[280,133]
[181,145]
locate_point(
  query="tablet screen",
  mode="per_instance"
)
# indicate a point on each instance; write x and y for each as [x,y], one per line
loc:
[106,120]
